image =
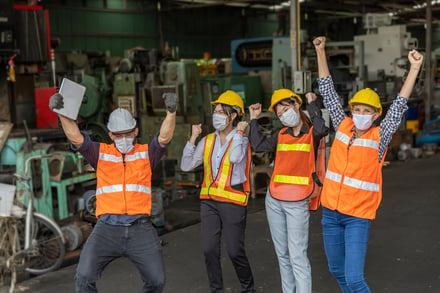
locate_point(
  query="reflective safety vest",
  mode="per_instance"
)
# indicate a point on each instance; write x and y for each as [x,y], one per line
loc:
[315,198]
[123,184]
[292,178]
[353,181]
[219,188]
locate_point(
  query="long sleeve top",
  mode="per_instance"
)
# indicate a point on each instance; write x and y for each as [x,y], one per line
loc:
[260,143]
[388,125]
[90,150]
[193,155]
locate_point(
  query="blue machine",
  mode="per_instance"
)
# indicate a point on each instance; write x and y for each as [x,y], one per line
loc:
[430,133]
[251,54]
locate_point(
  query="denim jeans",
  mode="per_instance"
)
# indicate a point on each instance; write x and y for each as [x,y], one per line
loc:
[345,243]
[231,219]
[289,227]
[138,242]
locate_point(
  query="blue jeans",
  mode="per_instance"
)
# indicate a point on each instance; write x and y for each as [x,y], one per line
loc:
[345,243]
[138,242]
[289,228]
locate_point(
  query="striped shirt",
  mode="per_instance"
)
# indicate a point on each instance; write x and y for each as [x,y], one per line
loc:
[388,126]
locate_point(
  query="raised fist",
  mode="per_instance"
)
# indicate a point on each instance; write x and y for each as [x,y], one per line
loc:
[196,130]
[170,100]
[254,110]
[242,125]
[56,102]
[319,42]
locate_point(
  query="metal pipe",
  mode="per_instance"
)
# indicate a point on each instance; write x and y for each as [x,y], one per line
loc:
[298,35]
[160,24]
[293,38]
[27,228]
[428,71]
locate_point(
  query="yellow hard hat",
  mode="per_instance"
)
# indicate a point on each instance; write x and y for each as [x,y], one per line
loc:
[282,94]
[232,99]
[367,97]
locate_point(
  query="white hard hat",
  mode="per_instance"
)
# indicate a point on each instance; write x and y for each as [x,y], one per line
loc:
[121,120]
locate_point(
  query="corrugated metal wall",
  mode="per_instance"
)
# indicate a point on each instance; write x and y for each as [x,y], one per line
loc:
[113,29]
[122,25]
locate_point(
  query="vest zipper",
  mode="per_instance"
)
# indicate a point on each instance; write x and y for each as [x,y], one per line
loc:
[123,186]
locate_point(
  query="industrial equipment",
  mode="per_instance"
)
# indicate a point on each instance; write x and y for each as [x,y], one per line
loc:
[251,54]
[385,52]
[270,54]
[247,86]
[430,135]
[57,183]
[140,92]
[95,107]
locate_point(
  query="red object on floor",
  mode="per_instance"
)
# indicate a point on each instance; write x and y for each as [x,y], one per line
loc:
[45,117]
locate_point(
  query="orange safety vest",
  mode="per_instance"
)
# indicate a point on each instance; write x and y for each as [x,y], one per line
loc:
[315,198]
[294,165]
[219,188]
[353,182]
[123,184]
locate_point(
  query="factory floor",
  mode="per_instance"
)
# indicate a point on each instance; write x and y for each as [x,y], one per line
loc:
[403,253]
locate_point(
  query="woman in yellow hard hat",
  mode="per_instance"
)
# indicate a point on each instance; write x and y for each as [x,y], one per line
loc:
[294,181]
[352,188]
[226,157]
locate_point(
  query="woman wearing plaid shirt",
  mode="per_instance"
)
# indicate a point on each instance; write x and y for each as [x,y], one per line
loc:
[353,184]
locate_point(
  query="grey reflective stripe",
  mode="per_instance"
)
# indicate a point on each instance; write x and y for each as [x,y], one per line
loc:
[342,137]
[364,185]
[110,158]
[110,189]
[333,176]
[140,155]
[369,143]
[138,188]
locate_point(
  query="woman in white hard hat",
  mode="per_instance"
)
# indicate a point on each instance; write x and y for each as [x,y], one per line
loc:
[294,186]
[123,196]
[353,184]
[226,157]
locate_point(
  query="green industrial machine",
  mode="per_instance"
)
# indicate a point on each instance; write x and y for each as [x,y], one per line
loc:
[247,86]
[140,92]
[57,180]
[96,105]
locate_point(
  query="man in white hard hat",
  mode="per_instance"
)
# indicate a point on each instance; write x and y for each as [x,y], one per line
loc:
[123,196]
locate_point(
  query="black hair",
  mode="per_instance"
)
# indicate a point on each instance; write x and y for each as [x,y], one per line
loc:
[229,110]
[304,118]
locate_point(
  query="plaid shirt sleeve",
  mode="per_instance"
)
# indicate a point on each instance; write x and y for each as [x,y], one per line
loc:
[391,122]
[331,100]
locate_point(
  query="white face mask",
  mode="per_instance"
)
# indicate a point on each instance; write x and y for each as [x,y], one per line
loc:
[290,118]
[125,144]
[219,121]
[362,122]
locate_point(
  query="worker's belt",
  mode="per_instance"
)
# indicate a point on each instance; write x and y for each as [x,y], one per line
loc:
[142,220]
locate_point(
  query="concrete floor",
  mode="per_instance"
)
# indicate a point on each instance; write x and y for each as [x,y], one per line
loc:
[403,254]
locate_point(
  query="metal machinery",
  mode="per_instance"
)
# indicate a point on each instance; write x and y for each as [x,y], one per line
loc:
[95,106]
[61,180]
[140,90]
[58,183]
[247,86]
[385,53]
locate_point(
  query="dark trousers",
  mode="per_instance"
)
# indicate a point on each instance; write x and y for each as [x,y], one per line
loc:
[231,219]
[138,242]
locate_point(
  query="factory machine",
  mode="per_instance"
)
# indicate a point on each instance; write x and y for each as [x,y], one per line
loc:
[385,52]
[377,59]
[139,88]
